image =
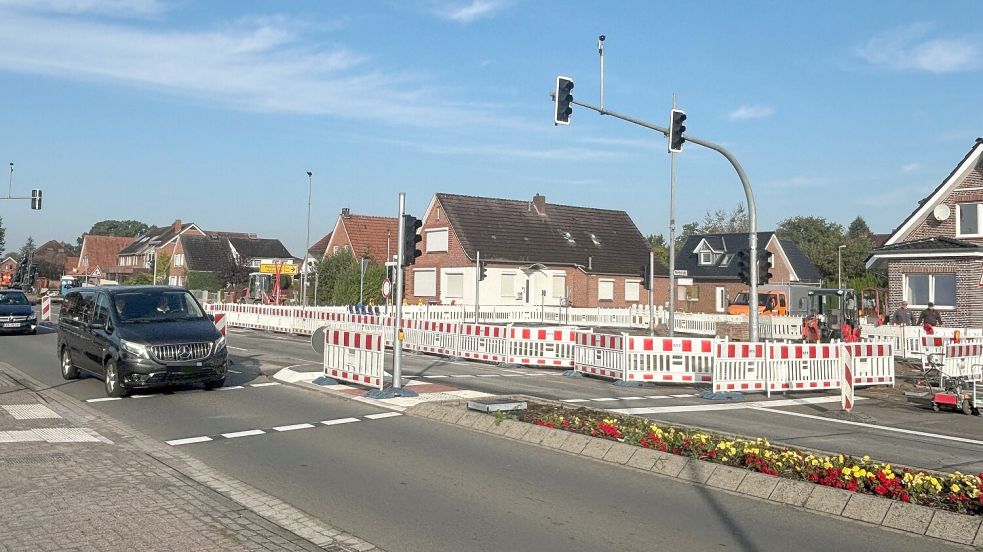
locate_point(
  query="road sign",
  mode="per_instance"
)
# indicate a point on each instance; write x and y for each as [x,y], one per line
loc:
[96,273]
[270,268]
[387,287]
[684,281]
[681,272]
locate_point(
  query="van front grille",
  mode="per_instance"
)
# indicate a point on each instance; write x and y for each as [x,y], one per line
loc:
[182,352]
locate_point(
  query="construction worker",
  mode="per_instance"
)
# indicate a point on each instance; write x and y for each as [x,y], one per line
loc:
[902,316]
[930,316]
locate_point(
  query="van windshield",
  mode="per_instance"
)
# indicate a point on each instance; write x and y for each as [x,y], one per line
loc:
[741,299]
[156,305]
[13,298]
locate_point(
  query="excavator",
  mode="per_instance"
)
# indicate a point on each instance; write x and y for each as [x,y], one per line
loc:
[829,311]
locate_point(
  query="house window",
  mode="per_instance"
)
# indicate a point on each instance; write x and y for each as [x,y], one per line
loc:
[940,289]
[172,280]
[631,290]
[605,290]
[455,286]
[559,286]
[727,259]
[508,284]
[425,283]
[436,240]
[693,293]
[969,219]
[335,250]
[706,258]
[179,259]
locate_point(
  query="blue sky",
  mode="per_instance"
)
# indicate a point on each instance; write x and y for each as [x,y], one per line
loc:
[213,111]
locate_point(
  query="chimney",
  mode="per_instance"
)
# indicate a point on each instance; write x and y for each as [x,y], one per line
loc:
[346,212]
[539,202]
[177,226]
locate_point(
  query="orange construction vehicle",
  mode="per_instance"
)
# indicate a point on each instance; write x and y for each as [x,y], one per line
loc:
[775,300]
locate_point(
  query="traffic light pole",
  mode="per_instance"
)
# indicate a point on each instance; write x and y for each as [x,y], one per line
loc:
[477,285]
[752,210]
[398,324]
[651,286]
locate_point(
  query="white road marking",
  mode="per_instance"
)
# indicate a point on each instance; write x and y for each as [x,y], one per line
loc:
[143,396]
[683,396]
[512,375]
[267,384]
[231,387]
[656,396]
[435,377]
[725,406]
[340,421]
[103,399]
[237,348]
[575,400]
[605,399]
[383,415]
[234,372]
[631,398]
[875,426]
[187,441]
[243,433]
[462,376]
[488,375]
[293,427]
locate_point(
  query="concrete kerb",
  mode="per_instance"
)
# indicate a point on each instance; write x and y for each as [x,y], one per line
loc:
[869,509]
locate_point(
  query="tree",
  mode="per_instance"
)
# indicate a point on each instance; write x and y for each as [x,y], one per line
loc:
[3,237]
[716,222]
[818,239]
[859,229]
[163,268]
[233,274]
[140,279]
[659,246]
[125,228]
[27,250]
[338,279]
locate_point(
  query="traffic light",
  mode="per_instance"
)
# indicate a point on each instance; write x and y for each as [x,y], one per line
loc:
[564,100]
[482,271]
[411,225]
[36,200]
[744,266]
[676,129]
[764,266]
[646,274]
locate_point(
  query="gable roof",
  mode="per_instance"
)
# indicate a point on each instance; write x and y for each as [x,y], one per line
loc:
[206,253]
[101,251]
[599,241]
[259,248]
[371,236]
[156,237]
[926,205]
[937,247]
[321,246]
[687,259]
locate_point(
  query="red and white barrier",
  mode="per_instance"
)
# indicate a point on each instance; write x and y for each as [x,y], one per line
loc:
[45,308]
[483,342]
[803,366]
[846,382]
[669,359]
[739,367]
[220,323]
[354,357]
[542,346]
[600,355]
[871,363]
[963,360]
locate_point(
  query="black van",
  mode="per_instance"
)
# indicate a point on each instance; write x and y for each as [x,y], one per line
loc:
[139,337]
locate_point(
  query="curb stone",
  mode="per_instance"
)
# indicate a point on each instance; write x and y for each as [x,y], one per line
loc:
[910,518]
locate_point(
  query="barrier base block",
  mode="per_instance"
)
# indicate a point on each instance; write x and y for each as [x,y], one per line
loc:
[572,374]
[325,380]
[627,383]
[390,393]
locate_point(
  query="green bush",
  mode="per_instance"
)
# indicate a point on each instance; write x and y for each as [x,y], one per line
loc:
[203,280]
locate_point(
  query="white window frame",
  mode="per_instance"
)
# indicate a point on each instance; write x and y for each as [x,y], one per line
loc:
[448,289]
[720,298]
[417,292]
[507,277]
[439,247]
[179,259]
[979,220]
[561,281]
[633,290]
[706,258]
[931,289]
[601,285]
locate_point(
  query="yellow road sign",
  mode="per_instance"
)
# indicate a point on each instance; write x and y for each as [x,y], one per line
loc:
[270,268]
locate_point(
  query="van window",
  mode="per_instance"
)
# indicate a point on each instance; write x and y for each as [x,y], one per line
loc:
[101,311]
[87,305]
[72,306]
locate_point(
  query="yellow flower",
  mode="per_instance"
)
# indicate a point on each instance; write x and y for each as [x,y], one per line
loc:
[955,488]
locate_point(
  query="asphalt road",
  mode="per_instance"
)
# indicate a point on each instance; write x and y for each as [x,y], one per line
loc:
[408,484]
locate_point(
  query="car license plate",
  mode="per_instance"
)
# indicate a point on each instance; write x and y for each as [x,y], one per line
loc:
[11,324]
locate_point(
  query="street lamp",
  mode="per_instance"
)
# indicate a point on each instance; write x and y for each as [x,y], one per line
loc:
[307,243]
[839,267]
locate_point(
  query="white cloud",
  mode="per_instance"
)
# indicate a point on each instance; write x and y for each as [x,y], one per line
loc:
[913,48]
[910,167]
[476,9]
[104,7]
[750,112]
[254,64]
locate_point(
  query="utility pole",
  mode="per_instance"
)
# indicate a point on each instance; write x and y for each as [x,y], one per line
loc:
[477,285]
[307,243]
[651,286]
[672,236]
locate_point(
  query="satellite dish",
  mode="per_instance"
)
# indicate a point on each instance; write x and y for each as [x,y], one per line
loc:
[941,212]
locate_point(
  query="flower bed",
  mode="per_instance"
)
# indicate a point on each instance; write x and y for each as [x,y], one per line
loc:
[956,492]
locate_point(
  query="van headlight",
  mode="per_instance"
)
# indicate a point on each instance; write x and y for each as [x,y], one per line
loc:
[32,316]
[219,344]
[136,349]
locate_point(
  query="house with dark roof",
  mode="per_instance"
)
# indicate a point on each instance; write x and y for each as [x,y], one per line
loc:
[373,238]
[255,251]
[535,254]
[936,254]
[707,267]
[140,253]
[211,253]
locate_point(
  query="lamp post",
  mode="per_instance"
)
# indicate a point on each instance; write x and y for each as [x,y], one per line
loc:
[307,242]
[839,267]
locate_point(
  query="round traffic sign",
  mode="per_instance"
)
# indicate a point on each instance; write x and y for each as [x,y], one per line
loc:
[387,287]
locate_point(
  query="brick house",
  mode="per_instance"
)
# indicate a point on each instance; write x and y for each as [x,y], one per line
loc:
[51,257]
[100,252]
[200,253]
[535,253]
[936,254]
[709,260]
[369,237]
[317,250]
[140,253]
[7,268]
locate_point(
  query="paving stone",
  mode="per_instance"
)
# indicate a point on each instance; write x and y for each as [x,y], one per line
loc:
[643,458]
[979,538]
[517,429]
[694,470]
[575,443]
[792,492]
[908,517]
[535,434]
[758,484]
[452,414]
[668,464]
[727,477]
[597,448]
[555,438]
[954,527]
[468,419]
[828,499]
[424,410]
[484,423]
[619,453]
[500,427]
[871,509]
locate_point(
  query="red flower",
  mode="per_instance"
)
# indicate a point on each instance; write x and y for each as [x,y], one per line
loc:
[905,497]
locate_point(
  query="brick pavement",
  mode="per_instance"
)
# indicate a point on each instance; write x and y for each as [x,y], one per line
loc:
[74,479]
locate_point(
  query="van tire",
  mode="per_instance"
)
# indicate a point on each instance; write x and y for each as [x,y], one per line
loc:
[68,370]
[114,385]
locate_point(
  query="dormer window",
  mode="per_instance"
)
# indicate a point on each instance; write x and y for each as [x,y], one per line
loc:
[706,258]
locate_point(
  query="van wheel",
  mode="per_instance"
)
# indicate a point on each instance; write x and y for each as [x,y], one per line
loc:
[68,370]
[114,387]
